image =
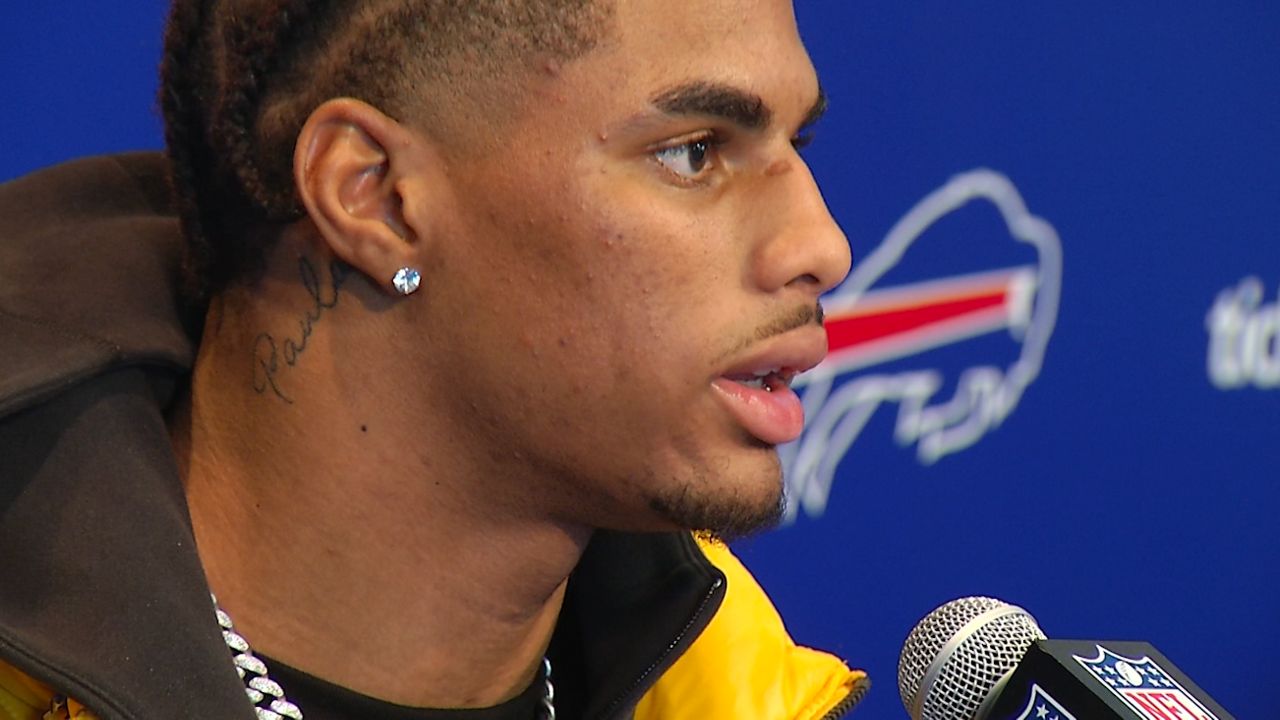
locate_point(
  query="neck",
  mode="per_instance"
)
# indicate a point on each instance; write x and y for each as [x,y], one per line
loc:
[343,547]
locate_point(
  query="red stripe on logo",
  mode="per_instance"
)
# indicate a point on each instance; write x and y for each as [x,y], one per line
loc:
[859,327]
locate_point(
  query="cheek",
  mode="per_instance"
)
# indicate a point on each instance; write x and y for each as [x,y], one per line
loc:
[650,296]
[571,316]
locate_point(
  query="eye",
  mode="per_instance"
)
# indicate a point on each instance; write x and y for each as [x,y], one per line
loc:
[690,160]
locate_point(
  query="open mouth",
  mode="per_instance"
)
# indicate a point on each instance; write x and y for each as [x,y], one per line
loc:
[764,404]
[768,380]
[756,389]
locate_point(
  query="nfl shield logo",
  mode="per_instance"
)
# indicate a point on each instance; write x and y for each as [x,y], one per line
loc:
[1040,706]
[1144,686]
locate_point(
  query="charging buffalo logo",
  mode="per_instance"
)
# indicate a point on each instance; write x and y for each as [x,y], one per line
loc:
[886,334]
[1144,686]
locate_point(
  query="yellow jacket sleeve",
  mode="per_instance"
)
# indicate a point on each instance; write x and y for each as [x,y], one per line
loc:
[745,665]
[22,697]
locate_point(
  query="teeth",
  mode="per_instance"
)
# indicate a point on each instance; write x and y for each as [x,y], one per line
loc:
[765,380]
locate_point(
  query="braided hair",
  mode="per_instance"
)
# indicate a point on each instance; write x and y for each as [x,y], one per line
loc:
[240,77]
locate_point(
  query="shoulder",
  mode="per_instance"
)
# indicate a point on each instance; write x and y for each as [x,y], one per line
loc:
[745,664]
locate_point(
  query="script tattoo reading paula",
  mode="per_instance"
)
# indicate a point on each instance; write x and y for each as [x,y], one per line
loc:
[268,353]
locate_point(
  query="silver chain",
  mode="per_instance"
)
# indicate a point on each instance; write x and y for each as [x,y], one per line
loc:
[267,697]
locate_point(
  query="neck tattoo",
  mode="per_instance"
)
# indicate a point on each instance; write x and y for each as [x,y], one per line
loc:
[267,697]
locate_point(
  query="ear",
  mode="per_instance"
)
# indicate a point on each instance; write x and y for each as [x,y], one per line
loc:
[354,168]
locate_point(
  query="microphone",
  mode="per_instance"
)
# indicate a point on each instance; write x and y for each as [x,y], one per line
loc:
[978,658]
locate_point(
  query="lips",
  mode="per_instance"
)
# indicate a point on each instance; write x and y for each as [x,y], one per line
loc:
[757,392]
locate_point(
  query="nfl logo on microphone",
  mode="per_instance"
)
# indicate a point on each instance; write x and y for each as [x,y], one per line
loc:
[1042,706]
[1144,687]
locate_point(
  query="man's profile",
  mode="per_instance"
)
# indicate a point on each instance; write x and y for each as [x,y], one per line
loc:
[485,309]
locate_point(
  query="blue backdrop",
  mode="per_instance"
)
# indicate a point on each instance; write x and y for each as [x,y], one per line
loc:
[1097,440]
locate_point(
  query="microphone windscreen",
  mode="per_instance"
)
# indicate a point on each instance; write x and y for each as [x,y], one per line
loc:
[959,656]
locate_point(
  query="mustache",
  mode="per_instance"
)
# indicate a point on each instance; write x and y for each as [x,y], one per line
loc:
[800,317]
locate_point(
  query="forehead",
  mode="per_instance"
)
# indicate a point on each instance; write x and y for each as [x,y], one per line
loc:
[704,21]
[750,44]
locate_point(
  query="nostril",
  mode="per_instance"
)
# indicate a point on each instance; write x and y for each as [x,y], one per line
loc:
[806,279]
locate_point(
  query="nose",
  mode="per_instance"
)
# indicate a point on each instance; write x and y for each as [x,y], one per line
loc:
[801,246]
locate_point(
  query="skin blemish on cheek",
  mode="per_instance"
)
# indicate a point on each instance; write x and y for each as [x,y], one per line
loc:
[610,238]
[529,344]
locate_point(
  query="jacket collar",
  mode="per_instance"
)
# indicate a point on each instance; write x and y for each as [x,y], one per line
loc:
[101,591]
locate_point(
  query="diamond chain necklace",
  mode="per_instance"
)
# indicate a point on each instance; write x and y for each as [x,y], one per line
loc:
[267,697]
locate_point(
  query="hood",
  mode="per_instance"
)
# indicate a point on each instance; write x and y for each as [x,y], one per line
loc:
[89,253]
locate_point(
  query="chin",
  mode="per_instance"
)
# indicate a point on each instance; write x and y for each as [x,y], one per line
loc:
[725,507]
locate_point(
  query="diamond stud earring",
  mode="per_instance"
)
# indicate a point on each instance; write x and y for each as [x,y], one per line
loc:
[406,280]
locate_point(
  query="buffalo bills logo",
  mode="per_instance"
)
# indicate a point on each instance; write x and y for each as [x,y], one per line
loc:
[888,334]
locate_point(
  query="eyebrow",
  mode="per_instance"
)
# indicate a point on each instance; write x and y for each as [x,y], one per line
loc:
[722,101]
[743,108]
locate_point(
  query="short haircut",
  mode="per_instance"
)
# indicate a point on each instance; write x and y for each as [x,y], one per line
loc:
[240,77]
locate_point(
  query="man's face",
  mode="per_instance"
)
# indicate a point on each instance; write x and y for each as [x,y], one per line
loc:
[645,240]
